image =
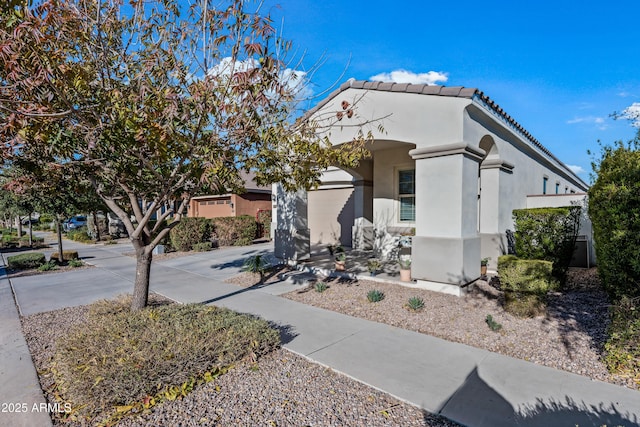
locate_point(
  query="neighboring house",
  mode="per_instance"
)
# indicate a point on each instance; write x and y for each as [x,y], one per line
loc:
[256,198]
[450,165]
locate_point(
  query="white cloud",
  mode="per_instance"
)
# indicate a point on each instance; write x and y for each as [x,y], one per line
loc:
[576,169]
[294,80]
[632,113]
[404,76]
[599,122]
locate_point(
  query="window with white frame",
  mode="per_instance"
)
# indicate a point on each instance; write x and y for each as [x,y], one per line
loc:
[407,195]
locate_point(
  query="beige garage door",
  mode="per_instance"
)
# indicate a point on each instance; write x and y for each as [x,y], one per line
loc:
[330,214]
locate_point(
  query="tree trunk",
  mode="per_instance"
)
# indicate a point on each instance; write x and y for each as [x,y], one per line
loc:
[59,232]
[30,232]
[96,226]
[143,274]
[19,226]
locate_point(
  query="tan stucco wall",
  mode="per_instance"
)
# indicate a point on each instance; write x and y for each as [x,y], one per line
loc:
[331,215]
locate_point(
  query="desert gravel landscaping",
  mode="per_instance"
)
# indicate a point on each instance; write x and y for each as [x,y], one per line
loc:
[570,337]
[280,389]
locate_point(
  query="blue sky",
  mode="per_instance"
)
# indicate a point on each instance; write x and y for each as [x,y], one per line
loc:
[559,68]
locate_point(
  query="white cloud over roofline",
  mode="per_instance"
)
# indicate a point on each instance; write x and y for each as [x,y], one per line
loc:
[404,76]
[576,169]
[599,122]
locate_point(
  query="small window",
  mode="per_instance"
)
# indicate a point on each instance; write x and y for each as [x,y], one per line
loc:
[557,188]
[406,195]
[566,190]
[545,180]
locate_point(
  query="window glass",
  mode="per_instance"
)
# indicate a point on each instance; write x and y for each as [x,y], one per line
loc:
[406,195]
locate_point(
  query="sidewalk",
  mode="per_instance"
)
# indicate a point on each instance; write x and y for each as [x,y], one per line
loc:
[471,386]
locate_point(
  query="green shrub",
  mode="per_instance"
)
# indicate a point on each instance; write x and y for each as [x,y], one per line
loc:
[375,295]
[614,209]
[623,346]
[320,287]
[46,218]
[123,358]
[415,303]
[79,235]
[189,232]
[202,247]
[526,275]
[66,255]
[26,261]
[35,241]
[548,234]
[264,222]
[525,283]
[234,231]
[48,266]
[75,263]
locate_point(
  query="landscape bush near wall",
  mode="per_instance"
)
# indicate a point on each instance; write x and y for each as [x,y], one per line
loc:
[189,232]
[234,231]
[264,223]
[548,234]
[614,209]
[525,283]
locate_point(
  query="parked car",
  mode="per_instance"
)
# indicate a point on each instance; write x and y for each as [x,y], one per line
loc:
[74,222]
[25,221]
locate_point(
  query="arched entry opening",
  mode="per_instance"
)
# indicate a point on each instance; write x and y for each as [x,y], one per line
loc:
[491,219]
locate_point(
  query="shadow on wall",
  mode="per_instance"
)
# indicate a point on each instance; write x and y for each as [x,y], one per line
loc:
[478,404]
[346,219]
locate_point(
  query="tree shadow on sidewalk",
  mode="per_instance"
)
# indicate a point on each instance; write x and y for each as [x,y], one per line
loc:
[477,403]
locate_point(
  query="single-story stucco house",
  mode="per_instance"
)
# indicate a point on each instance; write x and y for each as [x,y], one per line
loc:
[449,166]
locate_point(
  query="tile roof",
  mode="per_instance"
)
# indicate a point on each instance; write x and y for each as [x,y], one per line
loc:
[455,91]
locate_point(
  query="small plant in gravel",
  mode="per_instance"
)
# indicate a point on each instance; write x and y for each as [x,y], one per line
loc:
[320,287]
[415,303]
[493,325]
[48,266]
[75,263]
[257,264]
[375,295]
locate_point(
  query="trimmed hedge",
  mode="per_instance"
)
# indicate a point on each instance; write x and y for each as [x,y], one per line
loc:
[264,224]
[525,283]
[234,231]
[189,232]
[548,234]
[26,261]
[66,255]
[614,208]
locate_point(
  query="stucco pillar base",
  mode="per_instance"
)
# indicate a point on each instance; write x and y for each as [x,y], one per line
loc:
[443,288]
[292,245]
[446,261]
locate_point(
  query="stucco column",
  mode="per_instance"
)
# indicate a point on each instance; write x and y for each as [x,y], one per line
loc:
[492,222]
[291,236]
[446,249]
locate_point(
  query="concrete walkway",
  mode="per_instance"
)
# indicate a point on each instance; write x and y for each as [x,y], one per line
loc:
[471,386]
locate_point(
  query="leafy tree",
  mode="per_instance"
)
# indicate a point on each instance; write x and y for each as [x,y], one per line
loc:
[153,101]
[614,209]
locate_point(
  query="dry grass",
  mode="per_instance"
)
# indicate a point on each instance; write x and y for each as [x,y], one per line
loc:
[118,361]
